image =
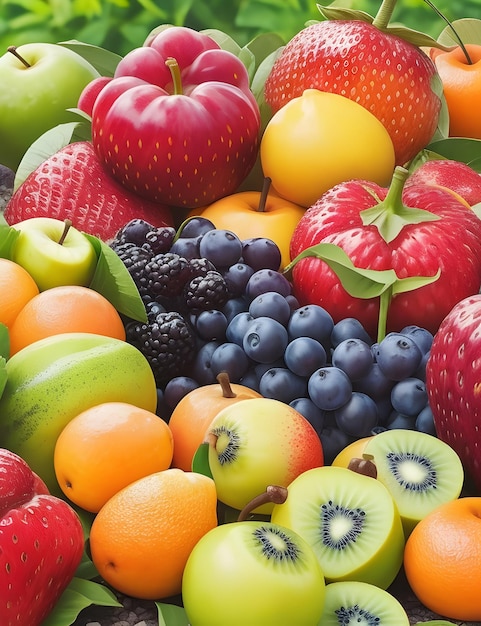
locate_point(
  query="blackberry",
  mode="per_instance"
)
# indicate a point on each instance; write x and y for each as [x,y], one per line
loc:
[165,275]
[206,292]
[134,231]
[201,266]
[168,344]
[160,239]
[134,257]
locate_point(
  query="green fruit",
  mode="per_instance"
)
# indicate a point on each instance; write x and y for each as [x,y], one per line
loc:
[252,572]
[52,380]
[352,602]
[419,470]
[350,521]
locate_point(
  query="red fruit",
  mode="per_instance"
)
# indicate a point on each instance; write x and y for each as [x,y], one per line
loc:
[451,244]
[455,175]
[90,93]
[178,124]
[453,372]
[384,73]
[74,184]
[41,544]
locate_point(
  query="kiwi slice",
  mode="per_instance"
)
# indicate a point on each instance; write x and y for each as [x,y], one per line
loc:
[419,470]
[354,603]
[349,520]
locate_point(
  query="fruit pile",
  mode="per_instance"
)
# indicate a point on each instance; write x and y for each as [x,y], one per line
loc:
[239,341]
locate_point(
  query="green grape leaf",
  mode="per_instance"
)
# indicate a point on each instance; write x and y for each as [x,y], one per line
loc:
[390,224]
[462,149]
[79,595]
[113,280]
[468,29]
[171,615]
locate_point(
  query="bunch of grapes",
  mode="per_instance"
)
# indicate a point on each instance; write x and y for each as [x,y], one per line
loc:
[216,303]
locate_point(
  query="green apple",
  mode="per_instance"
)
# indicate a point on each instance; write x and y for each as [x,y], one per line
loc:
[252,572]
[351,522]
[40,81]
[54,253]
[259,442]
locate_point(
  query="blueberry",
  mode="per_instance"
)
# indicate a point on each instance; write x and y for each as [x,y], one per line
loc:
[409,396]
[271,304]
[398,356]
[230,358]
[304,355]
[358,416]
[329,388]
[354,356]
[261,253]
[423,337]
[313,414]
[267,280]
[211,324]
[265,340]
[236,277]
[333,441]
[349,328]
[222,247]
[178,387]
[312,321]
[281,384]
[237,327]
[425,421]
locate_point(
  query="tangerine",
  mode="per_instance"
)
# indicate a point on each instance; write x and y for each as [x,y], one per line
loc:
[64,309]
[442,559]
[17,288]
[107,447]
[141,538]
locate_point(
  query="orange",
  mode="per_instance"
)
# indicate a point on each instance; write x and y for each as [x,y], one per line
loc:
[462,88]
[192,416]
[107,447]
[442,559]
[141,538]
[65,309]
[17,287]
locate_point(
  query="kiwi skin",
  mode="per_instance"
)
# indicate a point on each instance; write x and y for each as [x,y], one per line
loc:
[419,470]
[348,602]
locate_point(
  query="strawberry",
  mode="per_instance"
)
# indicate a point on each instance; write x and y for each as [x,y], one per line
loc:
[387,75]
[41,544]
[74,184]
[453,372]
[352,216]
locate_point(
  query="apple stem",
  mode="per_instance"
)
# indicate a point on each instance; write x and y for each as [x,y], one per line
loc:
[68,224]
[224,382]
[364,466]
[176,77]
[273,493]
[451,27]
[14,51]
[266,185]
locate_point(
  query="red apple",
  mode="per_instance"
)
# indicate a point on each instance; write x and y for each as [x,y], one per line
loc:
[455,175]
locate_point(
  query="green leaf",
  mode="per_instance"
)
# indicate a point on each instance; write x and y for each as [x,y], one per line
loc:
[43,148]
[411,283]
[390,224]
[343,13]
[262,47]
[8,237]
[104,61]
[436,622]
[200,461]
[79,595]
[3,374]
[468,29]
[171,615]
[113,280]
[4,346]
[462,149]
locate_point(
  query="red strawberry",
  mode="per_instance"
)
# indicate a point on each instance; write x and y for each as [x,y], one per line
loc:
[41,544]
[451,244]
[384,73]
[453,372]
[74,184]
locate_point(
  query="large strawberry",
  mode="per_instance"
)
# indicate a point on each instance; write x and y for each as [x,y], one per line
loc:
[383,229]
[453,375]
[74,184]
[41,544]
[365,62]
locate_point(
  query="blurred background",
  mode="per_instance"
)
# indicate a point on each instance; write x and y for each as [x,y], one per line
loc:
[120,25]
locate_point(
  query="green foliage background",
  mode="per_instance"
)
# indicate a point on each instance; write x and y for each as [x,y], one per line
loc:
[120,25]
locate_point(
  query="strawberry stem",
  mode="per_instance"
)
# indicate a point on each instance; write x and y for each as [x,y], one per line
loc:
[384,14]
[13,50]
[264,193]
[176,77]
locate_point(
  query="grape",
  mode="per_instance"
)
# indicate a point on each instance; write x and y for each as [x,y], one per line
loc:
[425,421]
[271,304]
[230,358]
[261,253]
[282,384]
[177,388]
[201,369]
[354,356]
[265,340]
[195,226]
[423,337]
[358,416]
[187,247]
[409,396]
[375,383]
[313,321]
[236,277]
[313,414]
[398,356]
[349,328]
[211,324]
[233,306]
[329,388]
[304,355]
[222,247]
[264,280]
[237,327]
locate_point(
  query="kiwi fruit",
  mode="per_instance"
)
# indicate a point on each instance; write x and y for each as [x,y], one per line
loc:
[354,603]
[419,470]
[351,522]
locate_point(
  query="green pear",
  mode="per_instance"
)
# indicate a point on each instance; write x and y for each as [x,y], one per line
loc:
[52,380]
